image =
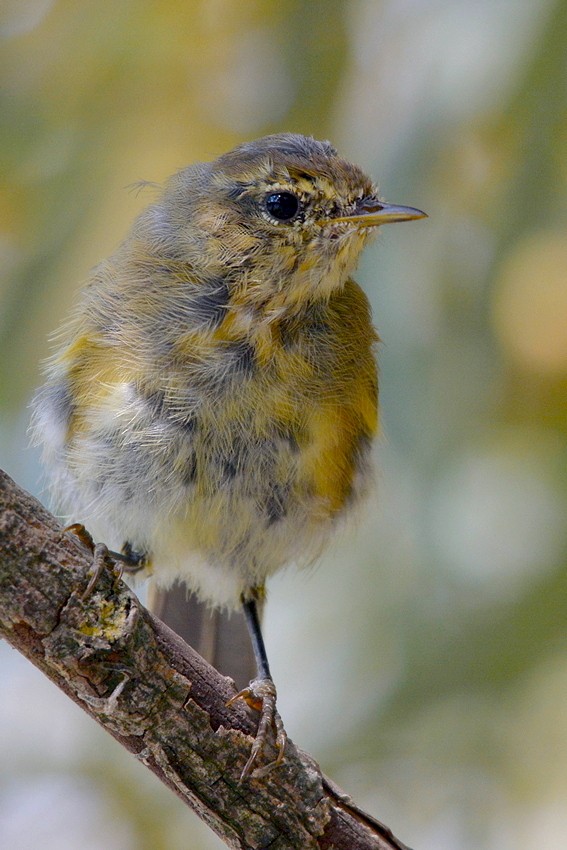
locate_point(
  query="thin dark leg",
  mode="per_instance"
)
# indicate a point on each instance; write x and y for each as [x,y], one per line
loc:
[261,695]
[255,630]
[131,561]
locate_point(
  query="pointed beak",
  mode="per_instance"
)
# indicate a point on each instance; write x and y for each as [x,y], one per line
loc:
[371,212]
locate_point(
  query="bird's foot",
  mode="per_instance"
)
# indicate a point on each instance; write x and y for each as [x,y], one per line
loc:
[101,557]
[104,558]
[100,553]
[261,695]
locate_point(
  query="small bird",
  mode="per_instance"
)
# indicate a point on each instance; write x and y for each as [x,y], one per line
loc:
[210,408]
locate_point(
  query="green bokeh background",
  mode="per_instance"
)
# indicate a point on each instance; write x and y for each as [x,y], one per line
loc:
[424,663]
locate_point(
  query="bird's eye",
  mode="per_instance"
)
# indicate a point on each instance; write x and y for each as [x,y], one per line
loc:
[282,205]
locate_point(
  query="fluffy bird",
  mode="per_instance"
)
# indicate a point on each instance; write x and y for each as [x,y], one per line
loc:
[210,408]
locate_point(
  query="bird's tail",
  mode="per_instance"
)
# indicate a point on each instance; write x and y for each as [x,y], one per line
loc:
[219,636]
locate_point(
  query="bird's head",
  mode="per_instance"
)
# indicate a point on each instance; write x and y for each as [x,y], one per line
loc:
[284,217]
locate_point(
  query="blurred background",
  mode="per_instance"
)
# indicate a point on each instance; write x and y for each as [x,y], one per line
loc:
[424,664]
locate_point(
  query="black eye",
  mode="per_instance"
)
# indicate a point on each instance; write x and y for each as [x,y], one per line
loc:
[282,205]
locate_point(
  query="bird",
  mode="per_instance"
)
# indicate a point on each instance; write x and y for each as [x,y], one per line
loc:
[210,406]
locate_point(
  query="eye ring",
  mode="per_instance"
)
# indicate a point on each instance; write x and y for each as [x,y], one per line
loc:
[282,205]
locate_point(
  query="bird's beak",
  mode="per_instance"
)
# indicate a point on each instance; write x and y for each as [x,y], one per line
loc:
[371,212]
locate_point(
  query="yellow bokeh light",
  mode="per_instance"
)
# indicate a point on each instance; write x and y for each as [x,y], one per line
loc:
[529,309]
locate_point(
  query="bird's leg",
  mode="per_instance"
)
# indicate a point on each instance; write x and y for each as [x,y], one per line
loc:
[127,560]
[261,695]
[131,561]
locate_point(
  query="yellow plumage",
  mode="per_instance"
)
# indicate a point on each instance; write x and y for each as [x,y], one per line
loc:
[214,395]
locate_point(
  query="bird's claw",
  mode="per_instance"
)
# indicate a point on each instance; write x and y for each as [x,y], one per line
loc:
[81,533]
[102,557]
[261,695]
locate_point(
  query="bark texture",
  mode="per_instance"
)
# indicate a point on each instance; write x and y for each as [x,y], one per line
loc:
[157,696]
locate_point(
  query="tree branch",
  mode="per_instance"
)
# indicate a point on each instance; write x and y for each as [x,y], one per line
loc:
[156,696]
